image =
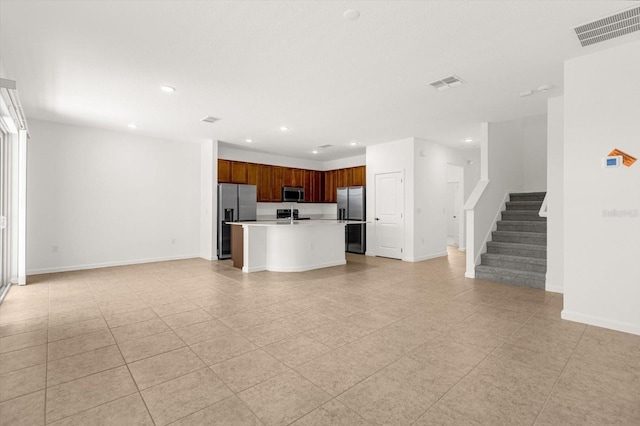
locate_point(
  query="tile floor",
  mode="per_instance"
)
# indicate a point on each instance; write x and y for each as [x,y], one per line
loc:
[376,341]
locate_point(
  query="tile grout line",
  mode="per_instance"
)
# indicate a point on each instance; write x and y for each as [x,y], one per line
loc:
[546,401]
[470,371]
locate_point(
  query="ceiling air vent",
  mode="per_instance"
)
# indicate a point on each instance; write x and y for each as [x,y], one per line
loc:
[210,119]
[446,83]
[613,26]
[325,146]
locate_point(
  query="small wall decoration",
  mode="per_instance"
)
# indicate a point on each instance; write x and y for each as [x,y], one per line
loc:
[627,159]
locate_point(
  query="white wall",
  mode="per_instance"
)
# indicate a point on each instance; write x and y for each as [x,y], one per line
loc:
[208,199]
[98,198]
[395,156]
[430,193]
[226,153]
[513,160]
[601,112]
[344,163]
[534,153]
[555,194]
[424,164]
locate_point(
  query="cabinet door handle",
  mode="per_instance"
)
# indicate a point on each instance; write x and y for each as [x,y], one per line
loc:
[377,218]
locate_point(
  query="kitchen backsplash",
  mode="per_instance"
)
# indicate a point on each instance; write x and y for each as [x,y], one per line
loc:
[267,211]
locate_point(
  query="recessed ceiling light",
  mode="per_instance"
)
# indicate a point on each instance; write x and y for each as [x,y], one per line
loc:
[351,15]
[468,140]
[315,151]
[132,126]
[544,88]
[248,140]
[168,89]
[284,128]
[353,143]
[526,93]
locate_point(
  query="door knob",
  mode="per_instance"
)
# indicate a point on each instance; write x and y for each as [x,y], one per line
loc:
[377,218]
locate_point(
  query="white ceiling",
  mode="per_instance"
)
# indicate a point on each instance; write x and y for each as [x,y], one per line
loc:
[259,65]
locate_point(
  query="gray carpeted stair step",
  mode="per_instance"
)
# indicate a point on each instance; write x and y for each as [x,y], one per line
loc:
[520,237]
[527,196]
[511,276]
[522,226]
[515,249]
[524,205]
[520,263]
[527,215]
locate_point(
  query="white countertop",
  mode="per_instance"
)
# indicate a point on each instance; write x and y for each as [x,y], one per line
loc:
[309,222]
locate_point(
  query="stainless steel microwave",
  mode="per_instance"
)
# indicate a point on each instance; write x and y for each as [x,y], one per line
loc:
[295,194]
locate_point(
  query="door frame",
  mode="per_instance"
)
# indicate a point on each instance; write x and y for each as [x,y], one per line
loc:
[462,238]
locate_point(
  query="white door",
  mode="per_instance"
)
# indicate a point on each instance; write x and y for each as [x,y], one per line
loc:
[389,214]
[453,213]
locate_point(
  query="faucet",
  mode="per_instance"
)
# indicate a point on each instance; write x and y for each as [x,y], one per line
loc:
[292,206]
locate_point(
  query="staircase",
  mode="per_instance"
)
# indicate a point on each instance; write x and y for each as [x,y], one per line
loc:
[518,253]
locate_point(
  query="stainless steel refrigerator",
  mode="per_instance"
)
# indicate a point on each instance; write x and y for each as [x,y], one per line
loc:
[351,206]
[236,203]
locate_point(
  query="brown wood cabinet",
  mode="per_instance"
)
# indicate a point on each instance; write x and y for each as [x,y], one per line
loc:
[265,186]
[224,171]
[253,174]
[278,182]
[238,172]
[320,186]
[359,176]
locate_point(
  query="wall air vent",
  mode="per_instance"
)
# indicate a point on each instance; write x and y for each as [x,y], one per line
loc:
[325,146]
[210,119]
[446,83]
[613,26]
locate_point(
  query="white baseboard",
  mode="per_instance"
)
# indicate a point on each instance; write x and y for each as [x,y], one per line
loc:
[462,249]
[601,322]
[427,257]
[470,274]
[108,264]
[554,289]
[306,268]
[254,268]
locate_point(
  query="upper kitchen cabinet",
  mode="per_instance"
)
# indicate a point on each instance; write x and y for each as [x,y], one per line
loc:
[265,186]
[278,182]
[359,176]
[330,186]
[253,174]
[224,171]
[320,186]
[238,172]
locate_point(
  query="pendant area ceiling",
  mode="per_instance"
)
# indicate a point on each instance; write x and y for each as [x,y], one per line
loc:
[260,65]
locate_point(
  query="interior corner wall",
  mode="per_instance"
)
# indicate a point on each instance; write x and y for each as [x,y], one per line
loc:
[555,195]
[395,156]
[602,205]
[99,198]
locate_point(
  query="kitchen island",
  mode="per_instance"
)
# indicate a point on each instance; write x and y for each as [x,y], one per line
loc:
[285,246]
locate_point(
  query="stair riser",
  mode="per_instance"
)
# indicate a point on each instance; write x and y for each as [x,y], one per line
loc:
[538,254]
[533,216]
[540,240]
[519,227]
[510,279]
[521,266]
[521,207]
[526,197]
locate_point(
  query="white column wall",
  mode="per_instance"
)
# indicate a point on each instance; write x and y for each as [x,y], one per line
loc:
[555,195]
[601,249]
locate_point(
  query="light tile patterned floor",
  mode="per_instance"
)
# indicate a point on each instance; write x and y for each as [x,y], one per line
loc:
[376,341]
